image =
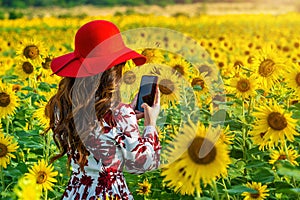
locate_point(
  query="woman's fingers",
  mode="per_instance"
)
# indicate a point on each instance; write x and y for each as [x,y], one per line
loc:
[139,115]
[157,96]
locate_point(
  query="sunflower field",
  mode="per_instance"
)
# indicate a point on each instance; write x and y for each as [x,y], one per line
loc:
[230,110]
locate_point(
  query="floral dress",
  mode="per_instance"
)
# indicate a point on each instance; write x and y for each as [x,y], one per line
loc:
[110,150]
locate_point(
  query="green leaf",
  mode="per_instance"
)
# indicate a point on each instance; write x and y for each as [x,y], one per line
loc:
[255,164]
[289,190]
[219,116]
[27,88]
[204,198]
[282,184]
[284,168]
[7,78]
[197,88]
[239,189]
[262,175]
[44,87]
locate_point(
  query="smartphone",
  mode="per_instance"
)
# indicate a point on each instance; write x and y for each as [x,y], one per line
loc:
[146,92]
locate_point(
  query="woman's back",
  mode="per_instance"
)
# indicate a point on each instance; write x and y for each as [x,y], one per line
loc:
[110,150]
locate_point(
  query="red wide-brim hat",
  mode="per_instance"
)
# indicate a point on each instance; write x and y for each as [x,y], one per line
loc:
[98,47]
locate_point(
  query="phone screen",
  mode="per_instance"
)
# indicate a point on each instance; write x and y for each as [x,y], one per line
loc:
[147,91]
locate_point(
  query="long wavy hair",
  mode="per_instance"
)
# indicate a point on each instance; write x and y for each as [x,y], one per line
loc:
[76,108]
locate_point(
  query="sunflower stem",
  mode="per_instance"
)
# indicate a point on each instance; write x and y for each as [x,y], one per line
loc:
[216,193]
[243,107]
[286,150]
[29,82]
[249,107]
[225,188]
[2,179]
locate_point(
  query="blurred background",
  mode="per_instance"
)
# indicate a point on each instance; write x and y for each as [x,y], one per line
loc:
[13,9]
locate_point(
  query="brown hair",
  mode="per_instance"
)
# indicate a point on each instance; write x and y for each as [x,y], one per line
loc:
[71,110]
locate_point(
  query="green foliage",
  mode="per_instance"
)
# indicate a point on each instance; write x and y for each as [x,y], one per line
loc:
[70,3]
[13,14]
[2,14]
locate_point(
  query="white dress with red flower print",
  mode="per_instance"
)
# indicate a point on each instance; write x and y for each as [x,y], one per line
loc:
[110,150]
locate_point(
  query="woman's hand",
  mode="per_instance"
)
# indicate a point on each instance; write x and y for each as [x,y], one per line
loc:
[139,114]
[151,113]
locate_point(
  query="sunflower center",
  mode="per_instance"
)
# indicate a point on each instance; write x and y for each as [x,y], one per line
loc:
[179,69]
[3,150]
[205,68]
[195,147]
[41,177]
[166,86]
[298,79]
[16,87]
[145,189]
[4,99]
[243,85]
[250,59]
[238,63]
[46,64]
[277,121]
[197,81]
[266,67]
[31,52]
[282,157]
[148,53]
[27,67]
[255,196]
[129,77]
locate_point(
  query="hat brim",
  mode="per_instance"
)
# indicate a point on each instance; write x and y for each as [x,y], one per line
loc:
[69,65]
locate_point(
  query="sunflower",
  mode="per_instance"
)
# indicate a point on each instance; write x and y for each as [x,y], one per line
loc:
[226,136]
[131,80]
[27,189]
[31,49]
[144,188]
[290,154]
[5,64]
[180,66]
[153,55]
[208,70]
[42,174]
[199,82]
[45,67]
[195,156]
[25,69]
[236,65]
[41,114]
[7,147]
[243,86]
[8,101]
[293,78]
[273,125]
[201,85]
[261,191]
[169,85]
[268,66]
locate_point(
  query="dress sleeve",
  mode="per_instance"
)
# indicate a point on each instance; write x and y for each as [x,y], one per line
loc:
[141,152]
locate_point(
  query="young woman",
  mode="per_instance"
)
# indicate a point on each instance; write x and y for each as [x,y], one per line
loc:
[99,134]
